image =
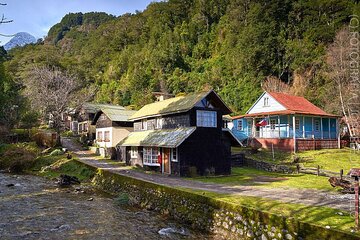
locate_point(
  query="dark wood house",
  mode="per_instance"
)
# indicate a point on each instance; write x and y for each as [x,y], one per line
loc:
[181,136]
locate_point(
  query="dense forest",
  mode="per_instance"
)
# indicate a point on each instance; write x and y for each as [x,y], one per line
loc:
[181,46]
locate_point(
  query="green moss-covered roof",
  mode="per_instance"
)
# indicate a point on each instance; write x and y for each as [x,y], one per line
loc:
[117,114]
[94,107]
[171,105]
[170,138]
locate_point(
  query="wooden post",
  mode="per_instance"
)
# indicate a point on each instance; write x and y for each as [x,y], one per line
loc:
[288,126]
[357,202]
[279,126]
[322,130]
[294,133]
[341,173]
[338,133]
[303,126]
[318,170]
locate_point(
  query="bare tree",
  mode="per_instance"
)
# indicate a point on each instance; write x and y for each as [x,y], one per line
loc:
[339,60]
[274,84]
[3,20]
[52,92]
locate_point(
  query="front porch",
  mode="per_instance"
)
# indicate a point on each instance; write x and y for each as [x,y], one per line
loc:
[282,127]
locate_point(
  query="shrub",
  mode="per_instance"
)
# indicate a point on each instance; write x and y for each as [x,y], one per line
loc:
[18,157]
[122,199]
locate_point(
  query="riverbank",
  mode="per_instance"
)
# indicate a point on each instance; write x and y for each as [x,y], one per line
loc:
[33,207]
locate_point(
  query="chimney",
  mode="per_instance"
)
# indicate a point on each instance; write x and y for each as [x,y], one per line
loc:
[161,96]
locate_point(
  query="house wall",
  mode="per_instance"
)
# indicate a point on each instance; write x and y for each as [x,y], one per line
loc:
[116,135]
[259,107]
[285,128]
[287,144]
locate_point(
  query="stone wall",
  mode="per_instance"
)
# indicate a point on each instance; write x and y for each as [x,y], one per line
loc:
[206,214]
[239,160]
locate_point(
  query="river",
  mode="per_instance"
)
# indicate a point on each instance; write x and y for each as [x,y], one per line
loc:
[35,208]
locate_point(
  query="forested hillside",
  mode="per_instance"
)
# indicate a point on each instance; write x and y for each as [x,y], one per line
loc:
[181,46]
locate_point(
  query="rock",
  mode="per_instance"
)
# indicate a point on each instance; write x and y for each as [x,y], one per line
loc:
[90,199]
[61,228]
[327,227]
[250,234]
[10,185]
[340,213]
[263,237]
[66,180]
[170,230]
[288,236]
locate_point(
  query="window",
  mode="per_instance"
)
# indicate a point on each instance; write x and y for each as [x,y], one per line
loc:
[150,156]
[317,125]
[133,152]
[240,125]
[86,128]
[144,124]
[272,124]
[297,124]
[174,156]
[159,123]
[99,136]
[102,117]
[205,118]
[266,101]
[107,136]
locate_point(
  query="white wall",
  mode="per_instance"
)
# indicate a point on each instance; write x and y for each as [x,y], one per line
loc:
[116,135]
[273,105]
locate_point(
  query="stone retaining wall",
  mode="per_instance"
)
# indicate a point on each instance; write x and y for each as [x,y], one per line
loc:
[261,165]
[206,214]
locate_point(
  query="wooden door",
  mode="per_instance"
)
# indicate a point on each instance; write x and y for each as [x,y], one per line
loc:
[166,161]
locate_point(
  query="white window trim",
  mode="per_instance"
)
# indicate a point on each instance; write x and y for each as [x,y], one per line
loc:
[134,152]
[201,120]
[151,157]
[158,123]
[266,102]
[172,155]
[100,136]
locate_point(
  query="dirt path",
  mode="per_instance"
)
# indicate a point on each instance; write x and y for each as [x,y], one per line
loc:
[303,196]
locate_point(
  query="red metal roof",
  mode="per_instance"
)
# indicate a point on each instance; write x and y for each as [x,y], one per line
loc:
[293,105]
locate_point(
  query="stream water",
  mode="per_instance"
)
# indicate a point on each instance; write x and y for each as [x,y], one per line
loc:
[35,208]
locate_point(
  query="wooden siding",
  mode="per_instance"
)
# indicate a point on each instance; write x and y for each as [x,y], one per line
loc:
[259,105]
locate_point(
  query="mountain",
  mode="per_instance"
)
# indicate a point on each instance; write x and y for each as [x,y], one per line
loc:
[20,39]
[184,46]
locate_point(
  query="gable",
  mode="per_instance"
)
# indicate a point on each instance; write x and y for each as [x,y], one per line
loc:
[259,107]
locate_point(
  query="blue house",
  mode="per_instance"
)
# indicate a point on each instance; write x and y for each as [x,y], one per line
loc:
[286,122]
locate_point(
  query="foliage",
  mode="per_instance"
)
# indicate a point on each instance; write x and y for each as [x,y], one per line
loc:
[185,46]
[18,157]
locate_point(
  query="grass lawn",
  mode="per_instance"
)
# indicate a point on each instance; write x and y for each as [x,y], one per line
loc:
[254,177]
[322,216]
[327,159]
[332,159]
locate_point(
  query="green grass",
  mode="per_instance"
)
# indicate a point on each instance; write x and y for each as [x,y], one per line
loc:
[253,177]
[332,159]
[57,165]
[322,216]
[327,159]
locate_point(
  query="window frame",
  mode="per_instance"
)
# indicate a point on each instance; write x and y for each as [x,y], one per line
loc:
[158,123]
[206,118]
[144,124]
[266,102]
[297,124]
[99,136]
[150,156]
[106,136]
[239,126]
[176,159]
[273,124]
[317,125]
[134,152]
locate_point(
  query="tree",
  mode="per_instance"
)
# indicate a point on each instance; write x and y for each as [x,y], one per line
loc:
[274,84]
[339,60]
[52,92]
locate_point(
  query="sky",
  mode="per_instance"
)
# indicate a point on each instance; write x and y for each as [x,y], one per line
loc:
[37,16]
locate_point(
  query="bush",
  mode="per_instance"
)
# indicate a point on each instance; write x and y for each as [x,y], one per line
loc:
[122,199]
[43,139]
[18,157]
[68,134]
